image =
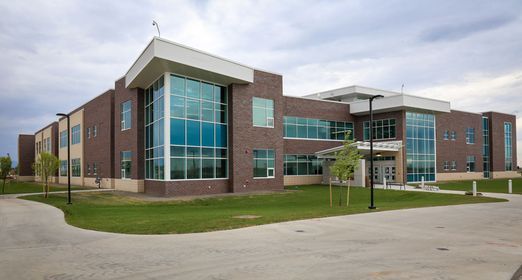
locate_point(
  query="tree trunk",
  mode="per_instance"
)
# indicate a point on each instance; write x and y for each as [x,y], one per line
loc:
[3,186]
[348,194]
[340,194]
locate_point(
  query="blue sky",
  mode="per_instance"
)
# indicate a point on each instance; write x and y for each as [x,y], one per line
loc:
[56,55]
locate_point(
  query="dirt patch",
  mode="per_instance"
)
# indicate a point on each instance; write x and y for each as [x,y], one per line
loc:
[246,217]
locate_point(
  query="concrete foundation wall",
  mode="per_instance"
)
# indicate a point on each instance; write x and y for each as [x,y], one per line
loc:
[504,174]
[25,178]
[302,180]
[459,176]
[127,185]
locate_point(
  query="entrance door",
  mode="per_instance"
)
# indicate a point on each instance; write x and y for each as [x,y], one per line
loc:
[389,173]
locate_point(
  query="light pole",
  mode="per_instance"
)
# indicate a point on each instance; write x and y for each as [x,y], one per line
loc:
[372,206]
[68,157]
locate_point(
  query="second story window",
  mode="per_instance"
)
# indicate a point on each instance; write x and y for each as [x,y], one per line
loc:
[63,139]
[94,131]
[470,135]
[75,135]
[263,112]
[125,115]
[88,133]
[446,135]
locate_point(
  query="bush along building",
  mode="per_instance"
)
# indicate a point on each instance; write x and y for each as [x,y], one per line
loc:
[185,122]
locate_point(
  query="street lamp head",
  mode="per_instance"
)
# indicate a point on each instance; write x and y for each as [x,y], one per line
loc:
[61,115]
[376,96]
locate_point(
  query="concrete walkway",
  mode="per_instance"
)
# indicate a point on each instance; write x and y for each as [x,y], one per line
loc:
[480,241]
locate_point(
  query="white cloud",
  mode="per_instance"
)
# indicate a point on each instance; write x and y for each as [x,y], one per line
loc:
[73,50]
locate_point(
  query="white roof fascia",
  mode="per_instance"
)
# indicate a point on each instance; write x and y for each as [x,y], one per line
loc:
[165,56]
[400,102]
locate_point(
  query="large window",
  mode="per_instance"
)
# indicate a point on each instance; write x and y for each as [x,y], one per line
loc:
[264,163]
[485,146]
[263,112]
[305,128]
[470,135]
[508,147]
[75,135]
[302,165]
[470,163]
[63,167]
[154,131]
[76,170]
[125,115]
[198,129]
[420,146]
[63,139]
[382,129]
[125,164]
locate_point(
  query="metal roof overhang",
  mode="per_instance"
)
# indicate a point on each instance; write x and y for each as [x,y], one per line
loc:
[389,146]
[162,56]
[400,102]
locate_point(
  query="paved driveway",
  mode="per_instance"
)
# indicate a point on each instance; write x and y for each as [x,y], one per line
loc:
[481,241]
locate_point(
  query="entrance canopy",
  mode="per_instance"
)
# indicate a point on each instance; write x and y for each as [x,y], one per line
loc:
[364,148]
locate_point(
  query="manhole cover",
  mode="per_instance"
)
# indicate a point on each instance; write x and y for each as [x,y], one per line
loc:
[246,217]
[443,249]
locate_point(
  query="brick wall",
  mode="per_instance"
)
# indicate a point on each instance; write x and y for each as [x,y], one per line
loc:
[25,155]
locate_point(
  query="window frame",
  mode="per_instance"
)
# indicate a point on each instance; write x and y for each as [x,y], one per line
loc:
[267,159]
[123,115]
[267,109]
[76,133]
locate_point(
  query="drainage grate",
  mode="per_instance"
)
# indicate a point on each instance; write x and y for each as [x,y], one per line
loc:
[439,227]
[443,249]
[299,230]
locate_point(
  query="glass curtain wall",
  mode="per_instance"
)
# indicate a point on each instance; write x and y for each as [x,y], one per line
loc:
[198,129]
[154,130]
[507,147]
[420,146]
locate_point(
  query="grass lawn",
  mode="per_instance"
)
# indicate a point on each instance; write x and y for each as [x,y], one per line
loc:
[493,185]
[115,212]
[31,187]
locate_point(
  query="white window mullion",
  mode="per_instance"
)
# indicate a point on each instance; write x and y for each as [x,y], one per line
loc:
[166,123]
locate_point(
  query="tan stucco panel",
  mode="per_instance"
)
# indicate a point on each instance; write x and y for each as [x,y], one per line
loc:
[460,176]
[76,150]
[504,174]
[302,180]
[129,185]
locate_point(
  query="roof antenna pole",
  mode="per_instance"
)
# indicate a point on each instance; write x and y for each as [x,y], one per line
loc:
[402,89]
[154,23]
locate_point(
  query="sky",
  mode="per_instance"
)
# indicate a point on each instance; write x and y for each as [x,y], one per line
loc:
[56,55]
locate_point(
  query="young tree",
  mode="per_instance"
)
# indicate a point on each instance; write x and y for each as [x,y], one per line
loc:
[346,162]
[5,168]
[46,166]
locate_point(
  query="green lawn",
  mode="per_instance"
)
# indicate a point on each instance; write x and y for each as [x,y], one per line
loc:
[30,187]
[493,185]
[115,212]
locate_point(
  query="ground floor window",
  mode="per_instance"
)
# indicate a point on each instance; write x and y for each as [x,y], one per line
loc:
[453,165]
[198,162]
[125,164]
[264,163]
[63,167]
[470,163]
[76,170]
[302,165]
[446,165]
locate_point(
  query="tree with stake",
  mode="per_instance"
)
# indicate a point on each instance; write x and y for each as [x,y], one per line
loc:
[346,162]
[5,168]
[46,166]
